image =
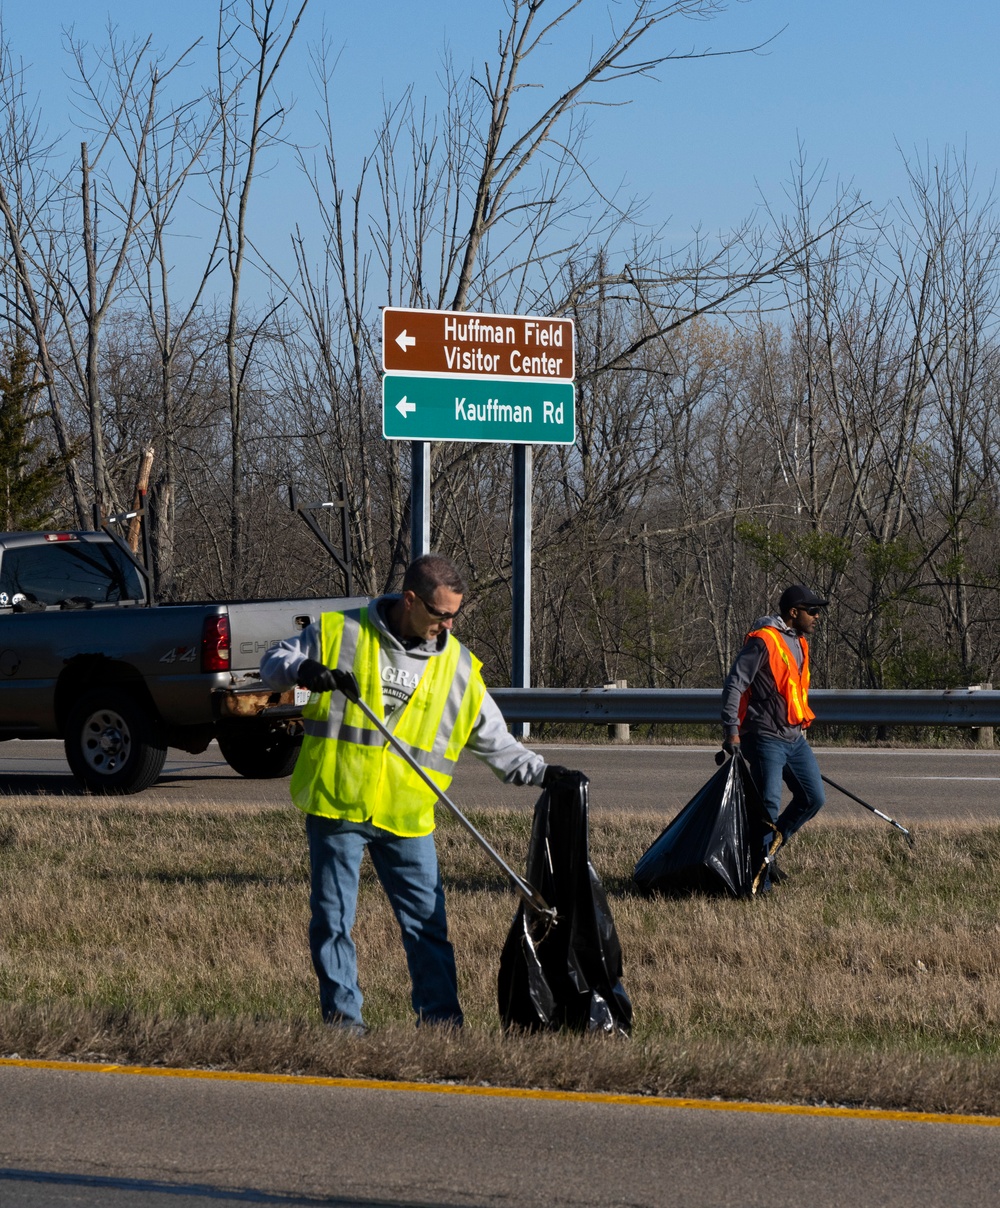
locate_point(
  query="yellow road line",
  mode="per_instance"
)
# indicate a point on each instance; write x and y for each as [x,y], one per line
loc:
[505,1092]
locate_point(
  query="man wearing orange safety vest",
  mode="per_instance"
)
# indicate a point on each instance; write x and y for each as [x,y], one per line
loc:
[358,794]
[765,713]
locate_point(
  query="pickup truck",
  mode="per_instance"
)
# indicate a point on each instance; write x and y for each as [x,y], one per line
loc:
[86,656]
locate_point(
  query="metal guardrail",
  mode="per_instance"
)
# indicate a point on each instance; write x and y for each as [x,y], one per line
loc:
[621,706]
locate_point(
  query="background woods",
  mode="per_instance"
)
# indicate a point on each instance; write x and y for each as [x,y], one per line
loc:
[813,397]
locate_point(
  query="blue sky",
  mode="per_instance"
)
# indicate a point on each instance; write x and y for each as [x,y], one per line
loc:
[852,80]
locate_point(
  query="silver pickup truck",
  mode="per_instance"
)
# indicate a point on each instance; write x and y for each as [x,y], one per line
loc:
[86,657]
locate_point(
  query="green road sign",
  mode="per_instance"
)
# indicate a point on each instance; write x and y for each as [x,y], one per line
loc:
[477,409]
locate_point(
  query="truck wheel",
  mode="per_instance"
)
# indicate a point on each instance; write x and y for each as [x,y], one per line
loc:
[259,750]
[112,743]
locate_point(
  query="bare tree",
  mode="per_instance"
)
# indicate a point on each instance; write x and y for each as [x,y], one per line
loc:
[499,193]
[175,152]
[473,206]
[24,200]
[954,235]
[71,245]
[253,39]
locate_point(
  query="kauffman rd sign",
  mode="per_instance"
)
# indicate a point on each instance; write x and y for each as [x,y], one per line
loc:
[458,408]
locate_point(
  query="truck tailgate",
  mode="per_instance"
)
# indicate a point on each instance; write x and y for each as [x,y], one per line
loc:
[258,625]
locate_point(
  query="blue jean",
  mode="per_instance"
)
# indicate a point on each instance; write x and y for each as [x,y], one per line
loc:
[408,871]
[774,762]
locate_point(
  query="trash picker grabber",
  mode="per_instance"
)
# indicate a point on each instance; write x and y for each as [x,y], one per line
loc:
[347,684]
[720,758]
[885,817]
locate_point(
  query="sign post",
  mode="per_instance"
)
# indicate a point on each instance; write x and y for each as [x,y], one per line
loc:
[508,379]
[420,499]
[520,633]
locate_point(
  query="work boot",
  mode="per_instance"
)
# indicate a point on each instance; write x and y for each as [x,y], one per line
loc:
[353,1027]
[777,875]
[768,876]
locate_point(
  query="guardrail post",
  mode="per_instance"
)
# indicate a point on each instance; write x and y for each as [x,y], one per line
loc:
[982,736]
[619,732]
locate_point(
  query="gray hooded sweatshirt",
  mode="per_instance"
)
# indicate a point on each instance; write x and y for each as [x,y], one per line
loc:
[767,710]
[401,667]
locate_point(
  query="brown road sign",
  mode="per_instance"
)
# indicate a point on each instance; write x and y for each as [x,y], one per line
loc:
[523,347]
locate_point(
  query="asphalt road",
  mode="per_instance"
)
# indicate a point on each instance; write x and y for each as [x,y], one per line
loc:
[910,785]
[100,1139]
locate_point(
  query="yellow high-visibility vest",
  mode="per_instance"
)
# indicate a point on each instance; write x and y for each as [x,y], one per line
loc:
[791,683]
[347,769]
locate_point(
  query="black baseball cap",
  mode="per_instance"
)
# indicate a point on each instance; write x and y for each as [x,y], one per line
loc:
[798,596]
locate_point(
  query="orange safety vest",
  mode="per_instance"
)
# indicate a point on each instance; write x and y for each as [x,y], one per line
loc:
[791,683]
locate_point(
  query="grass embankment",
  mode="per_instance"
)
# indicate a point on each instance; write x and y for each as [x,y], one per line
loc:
[140,934]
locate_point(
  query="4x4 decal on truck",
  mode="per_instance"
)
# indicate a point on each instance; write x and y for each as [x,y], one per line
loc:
[180,654]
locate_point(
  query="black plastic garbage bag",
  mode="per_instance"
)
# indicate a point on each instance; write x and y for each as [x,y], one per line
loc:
[567,974]
[715,844]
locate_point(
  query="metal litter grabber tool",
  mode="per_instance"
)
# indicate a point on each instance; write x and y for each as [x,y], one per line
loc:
[347,684]
[878,813]
[720,758]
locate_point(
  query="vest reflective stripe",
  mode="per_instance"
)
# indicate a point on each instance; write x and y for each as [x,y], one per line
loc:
[346,768]
[791,683]
[436,759]
[331,718]
[323,729]
[444,739]
[430,761]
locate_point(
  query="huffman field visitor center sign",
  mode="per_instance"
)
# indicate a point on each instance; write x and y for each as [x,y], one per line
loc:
[496,378]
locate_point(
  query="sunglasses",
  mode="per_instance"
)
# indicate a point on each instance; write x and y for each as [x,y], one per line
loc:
[437,613]
[813,612]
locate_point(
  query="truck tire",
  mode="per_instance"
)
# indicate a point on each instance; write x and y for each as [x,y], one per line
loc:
[259,750]
[112,743]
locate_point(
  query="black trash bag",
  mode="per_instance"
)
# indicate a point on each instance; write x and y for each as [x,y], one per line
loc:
[566,974]
[715,843]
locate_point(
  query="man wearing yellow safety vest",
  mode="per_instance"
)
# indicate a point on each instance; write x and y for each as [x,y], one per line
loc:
[356,791]
[765,713]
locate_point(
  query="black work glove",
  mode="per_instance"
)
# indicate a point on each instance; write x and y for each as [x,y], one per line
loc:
[347,683]
[731,745]
[553,774]
[315,676]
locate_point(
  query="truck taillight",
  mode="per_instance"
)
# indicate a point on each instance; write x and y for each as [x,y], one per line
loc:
[215,644]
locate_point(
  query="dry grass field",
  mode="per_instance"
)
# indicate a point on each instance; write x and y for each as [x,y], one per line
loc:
[136,933]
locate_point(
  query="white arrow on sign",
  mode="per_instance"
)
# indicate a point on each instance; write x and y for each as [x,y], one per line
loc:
[405,341]
[404,408]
